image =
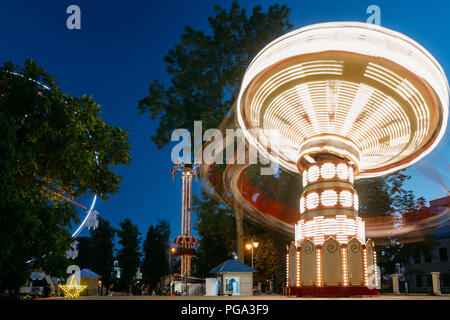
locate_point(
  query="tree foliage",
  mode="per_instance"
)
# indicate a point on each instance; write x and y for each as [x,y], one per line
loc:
[206,69]
[97,251]
[156,250]
[60,142]
[129,255]
[387,197]
[51,143]
[396,252]
[84,258]
[215,225]
[102,246]
[270,255]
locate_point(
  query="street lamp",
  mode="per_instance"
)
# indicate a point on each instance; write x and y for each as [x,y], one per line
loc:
[250,246]
[172,251]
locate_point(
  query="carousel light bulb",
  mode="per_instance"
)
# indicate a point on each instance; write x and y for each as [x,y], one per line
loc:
[287,268]
[302,204]
[312,200]
[366,282]
[328,171]
[305,178]
[319,266]
[346,198]
[313,174]
[329,198]
[344,266]
[350,174]
[342,171]
[298,268]
[355,202]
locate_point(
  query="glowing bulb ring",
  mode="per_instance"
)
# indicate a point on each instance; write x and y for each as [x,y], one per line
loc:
[307,83]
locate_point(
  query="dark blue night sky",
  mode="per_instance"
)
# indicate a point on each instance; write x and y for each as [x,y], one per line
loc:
[120,49]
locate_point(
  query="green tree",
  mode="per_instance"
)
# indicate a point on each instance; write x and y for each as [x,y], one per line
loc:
[102,246]
[84,257]
[397,252]
[216,229]
[270,255]
[129,255]
[156,250]
[387,197]
[51,144]
[215,226]
[206,71]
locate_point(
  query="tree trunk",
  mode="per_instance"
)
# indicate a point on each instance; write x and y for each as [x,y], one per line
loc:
[129,287]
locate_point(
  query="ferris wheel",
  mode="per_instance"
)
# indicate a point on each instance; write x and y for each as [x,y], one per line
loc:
[90,221]
[91,218]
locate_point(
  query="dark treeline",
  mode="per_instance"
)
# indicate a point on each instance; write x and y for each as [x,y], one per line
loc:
[119,266]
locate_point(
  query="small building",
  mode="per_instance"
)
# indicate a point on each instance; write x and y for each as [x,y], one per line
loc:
[91,280]
[421,266]
[37,283]
[232,278]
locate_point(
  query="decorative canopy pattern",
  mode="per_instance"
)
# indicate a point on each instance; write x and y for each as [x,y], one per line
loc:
[186,240]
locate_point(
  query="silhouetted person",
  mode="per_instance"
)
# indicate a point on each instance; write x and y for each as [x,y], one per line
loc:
[47,291]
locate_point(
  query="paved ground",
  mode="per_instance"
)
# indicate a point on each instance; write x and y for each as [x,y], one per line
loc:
[264,297]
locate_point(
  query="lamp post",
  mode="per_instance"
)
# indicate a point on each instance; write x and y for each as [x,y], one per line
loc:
[250,246]
[172,250]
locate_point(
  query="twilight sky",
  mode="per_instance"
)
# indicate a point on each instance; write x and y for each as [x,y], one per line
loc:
[120,49]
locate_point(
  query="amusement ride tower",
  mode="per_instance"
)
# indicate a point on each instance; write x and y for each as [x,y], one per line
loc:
[185,242]
[342,100]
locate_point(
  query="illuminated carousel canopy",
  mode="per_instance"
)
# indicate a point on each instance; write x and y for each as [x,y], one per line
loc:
[337,101]
[364,92]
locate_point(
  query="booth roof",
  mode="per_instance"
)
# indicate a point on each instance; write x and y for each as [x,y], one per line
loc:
[37,275]
[86,273]
[232,265]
